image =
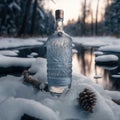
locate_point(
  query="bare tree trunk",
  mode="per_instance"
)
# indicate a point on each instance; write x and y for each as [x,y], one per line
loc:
[33,18]
[24,22]
[84,18]
[92,24]
[96,21]
[92,19]
[108,3]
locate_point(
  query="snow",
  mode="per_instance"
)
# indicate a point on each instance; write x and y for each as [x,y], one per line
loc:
[90,41]
[106,58]
[9,53]
[74,51]
[110,48]
[33,54]
[73,45]
[14,4]
[18,42]
[113,94]
[30,56]
[98,53]
[40,13]
[116,76]
[110,68]
[39,69]
[14,61]
[17,98]
[109,42]
[17,107]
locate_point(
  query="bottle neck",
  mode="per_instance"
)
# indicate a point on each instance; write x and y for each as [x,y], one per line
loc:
[59,25]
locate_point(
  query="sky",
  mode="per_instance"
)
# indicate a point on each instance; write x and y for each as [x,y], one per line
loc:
[72,8]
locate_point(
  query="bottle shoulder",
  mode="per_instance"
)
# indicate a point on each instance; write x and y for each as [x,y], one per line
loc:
[56,35]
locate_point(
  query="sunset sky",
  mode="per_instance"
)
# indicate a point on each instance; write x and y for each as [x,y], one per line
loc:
[72,8]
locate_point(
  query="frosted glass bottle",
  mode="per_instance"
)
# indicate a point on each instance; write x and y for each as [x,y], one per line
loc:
[59,58]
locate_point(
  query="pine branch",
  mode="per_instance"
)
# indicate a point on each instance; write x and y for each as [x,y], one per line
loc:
[35,83]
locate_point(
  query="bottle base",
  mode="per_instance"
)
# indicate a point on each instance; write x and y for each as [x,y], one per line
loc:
[58,89]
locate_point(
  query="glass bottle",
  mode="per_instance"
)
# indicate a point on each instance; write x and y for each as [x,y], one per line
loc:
[59,58]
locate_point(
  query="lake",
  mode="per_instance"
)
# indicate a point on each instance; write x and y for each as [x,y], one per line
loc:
[107,75]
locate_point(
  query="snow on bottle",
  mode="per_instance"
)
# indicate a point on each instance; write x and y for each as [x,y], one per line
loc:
[59,58]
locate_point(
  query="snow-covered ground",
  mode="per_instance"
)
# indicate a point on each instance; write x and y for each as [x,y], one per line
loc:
[17,98]
[109,43]
[6,43]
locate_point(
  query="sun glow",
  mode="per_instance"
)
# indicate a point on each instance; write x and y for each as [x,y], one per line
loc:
[72,8]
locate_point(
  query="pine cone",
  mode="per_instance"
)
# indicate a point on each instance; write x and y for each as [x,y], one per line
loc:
[87,100]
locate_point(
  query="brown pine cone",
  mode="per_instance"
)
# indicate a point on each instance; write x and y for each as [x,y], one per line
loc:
[87,100]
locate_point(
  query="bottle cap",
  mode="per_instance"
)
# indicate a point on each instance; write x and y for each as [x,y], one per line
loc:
[59,14]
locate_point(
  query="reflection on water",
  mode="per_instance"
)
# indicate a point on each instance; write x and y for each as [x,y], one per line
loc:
[75,64]
[85,64]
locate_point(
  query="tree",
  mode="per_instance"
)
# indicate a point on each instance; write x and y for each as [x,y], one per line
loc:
[92,23]
[25,17]
[9,10]
[96,21]
[86,12]
[33,18]
[84,17]
[112,18]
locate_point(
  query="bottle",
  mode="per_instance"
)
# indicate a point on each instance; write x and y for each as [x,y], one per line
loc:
[59,58]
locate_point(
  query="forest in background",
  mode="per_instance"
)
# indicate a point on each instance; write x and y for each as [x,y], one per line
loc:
[29,18]
[25,18]
[109,26]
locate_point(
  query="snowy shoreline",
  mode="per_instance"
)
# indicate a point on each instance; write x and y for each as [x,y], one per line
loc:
[18,98]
